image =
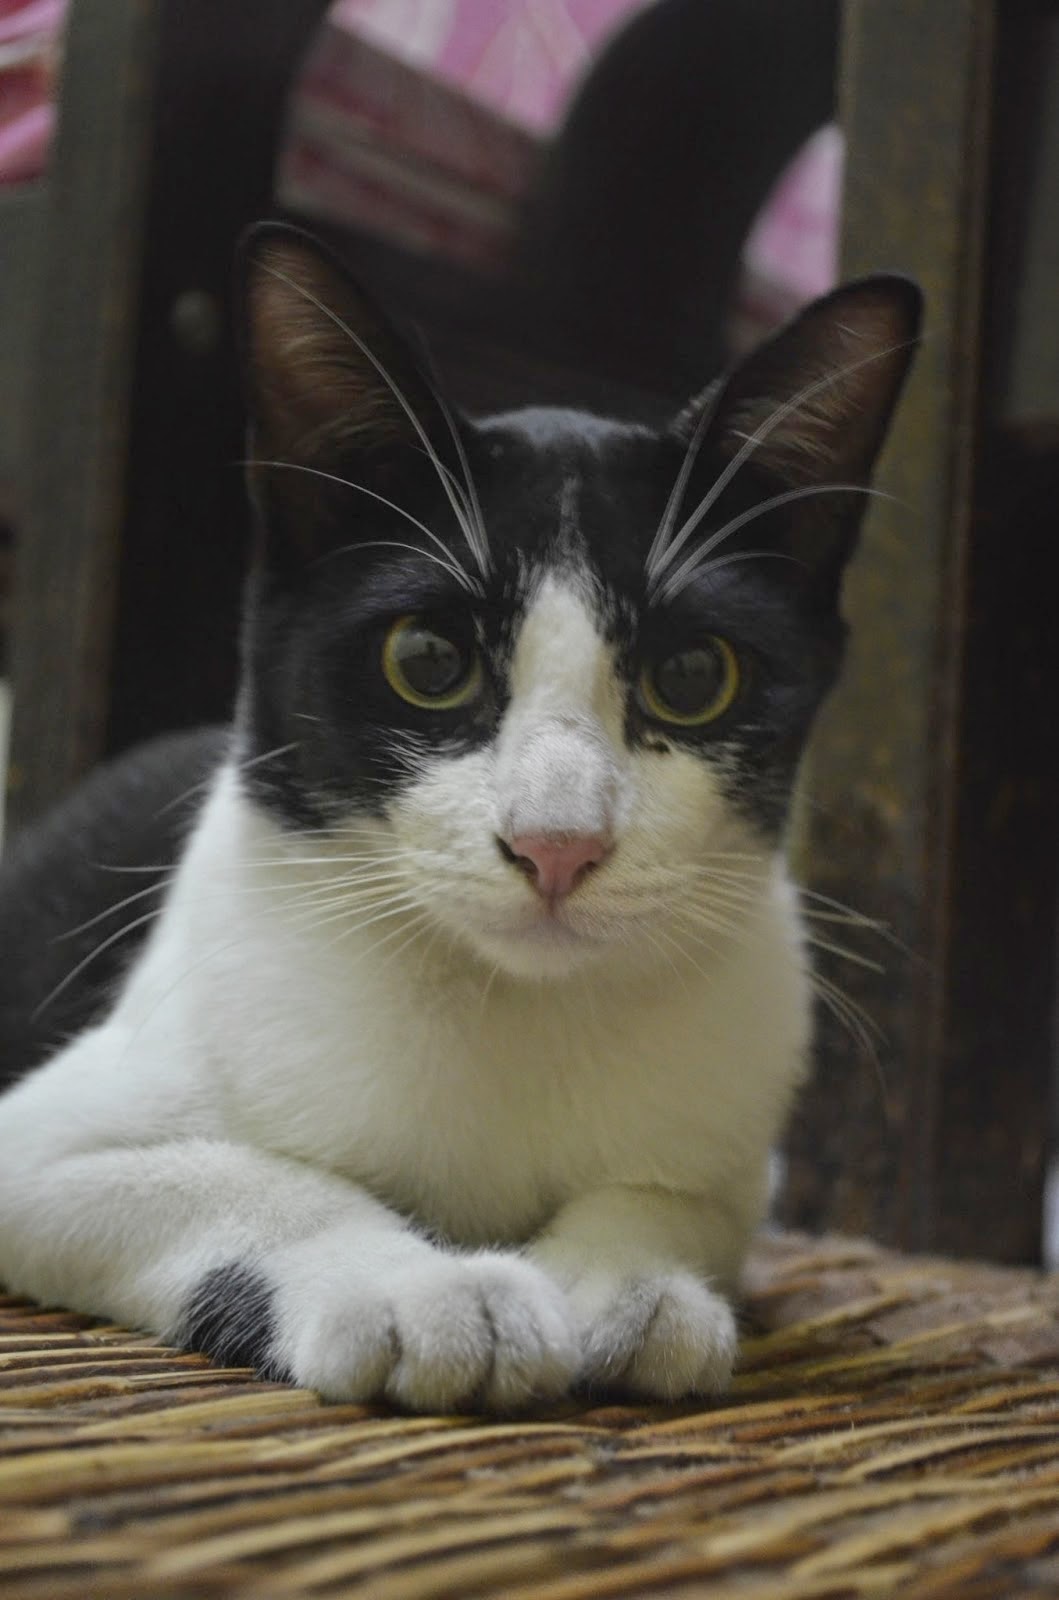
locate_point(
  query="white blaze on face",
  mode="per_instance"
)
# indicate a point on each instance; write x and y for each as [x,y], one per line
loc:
[561,764]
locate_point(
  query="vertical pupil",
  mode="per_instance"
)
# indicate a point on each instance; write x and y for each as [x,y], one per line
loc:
[431,665]
[690,681]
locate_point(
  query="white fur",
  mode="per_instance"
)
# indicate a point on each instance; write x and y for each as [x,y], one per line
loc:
[474,1146]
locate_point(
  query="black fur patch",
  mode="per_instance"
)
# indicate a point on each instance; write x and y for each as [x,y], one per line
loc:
[229,1318]
[77,890]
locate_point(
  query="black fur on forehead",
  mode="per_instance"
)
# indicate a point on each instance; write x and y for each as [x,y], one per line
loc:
[376,501]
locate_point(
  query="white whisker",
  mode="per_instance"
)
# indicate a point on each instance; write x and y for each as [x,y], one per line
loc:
[846,955]
[490,980]
[670,593]
[416,924]
[683,952]
[713,919]
[858,1024]
[363,858]
[772,422]
[457,487]
[653,938]
[658,551]
[474,508]
[439,932]
[155,867]
[100,949]
[240,766]
[320,917]
[713,871]
[428,555]
[415,929]
[451,564]
[309,889]
[678,579]
[305,908]
[112,911]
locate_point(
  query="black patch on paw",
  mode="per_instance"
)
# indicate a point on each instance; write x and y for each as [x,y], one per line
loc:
[229,1317]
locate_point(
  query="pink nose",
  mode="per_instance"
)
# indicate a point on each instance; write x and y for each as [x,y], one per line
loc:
[556,863]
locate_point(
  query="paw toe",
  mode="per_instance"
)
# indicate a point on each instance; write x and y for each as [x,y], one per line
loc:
[445,1340]
[347,1356]
[689,1346]
[447,1334]
[662,1337]
[535,1352]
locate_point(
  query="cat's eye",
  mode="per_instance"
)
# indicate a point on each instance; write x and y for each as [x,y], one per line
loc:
[429,668]
[691,687]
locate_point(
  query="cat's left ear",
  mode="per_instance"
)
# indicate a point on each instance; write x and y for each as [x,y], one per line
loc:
[810,408]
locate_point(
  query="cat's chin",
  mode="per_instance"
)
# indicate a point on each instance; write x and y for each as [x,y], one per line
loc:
[552,947]
[541,947]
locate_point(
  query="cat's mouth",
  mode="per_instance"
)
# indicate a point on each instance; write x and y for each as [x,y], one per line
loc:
[551,928]
[541,945]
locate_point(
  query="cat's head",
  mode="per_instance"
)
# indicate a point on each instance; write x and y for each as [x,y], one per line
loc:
[546,677]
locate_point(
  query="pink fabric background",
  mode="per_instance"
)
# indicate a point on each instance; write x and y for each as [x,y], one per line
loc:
[423,118]
[28,39]
[521,58]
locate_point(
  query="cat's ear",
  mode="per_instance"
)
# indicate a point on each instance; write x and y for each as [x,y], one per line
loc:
[323,362]
[328,377]
[810,408]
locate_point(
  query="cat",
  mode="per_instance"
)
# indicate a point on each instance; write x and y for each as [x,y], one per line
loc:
[473,990]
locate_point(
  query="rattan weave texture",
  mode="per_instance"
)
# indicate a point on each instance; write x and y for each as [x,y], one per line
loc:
[893,1431]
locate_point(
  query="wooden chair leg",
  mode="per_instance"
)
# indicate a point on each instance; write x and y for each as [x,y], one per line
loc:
[935,802]
[224,73]
[134,529]
[75,429]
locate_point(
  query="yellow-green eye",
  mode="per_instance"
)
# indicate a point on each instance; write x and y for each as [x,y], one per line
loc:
[428,668]
[692,687]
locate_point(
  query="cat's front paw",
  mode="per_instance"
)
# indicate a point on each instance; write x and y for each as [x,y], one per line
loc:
[662,1335]
[487,1331]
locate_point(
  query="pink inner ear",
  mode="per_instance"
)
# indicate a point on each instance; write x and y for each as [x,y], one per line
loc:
[316,355]
[818,397]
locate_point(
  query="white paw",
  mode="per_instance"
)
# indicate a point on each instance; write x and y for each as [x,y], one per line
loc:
[487,1331]
[661,1335]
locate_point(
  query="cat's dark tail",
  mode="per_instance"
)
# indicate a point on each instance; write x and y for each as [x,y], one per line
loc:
[633,235]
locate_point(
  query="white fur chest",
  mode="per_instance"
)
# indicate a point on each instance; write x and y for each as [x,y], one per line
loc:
[477,1103]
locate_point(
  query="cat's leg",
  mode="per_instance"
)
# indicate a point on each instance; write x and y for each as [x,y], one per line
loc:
[649,1273]
[256,1258]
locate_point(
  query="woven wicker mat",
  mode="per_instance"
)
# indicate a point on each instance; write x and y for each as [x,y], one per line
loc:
[894,1430]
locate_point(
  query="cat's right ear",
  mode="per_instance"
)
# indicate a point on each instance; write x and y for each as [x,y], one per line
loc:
[328,377]
[809,410]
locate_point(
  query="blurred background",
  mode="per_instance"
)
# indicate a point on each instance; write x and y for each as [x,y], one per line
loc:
[597,202]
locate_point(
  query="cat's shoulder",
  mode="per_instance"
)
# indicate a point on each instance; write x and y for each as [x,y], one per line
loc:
[93,870]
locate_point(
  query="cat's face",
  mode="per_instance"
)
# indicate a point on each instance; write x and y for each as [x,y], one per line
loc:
[511,683]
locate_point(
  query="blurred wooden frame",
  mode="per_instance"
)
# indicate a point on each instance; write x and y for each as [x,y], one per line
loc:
[118,267]
[934,784]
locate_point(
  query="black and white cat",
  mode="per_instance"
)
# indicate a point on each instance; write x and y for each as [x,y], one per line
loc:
[450,1067]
